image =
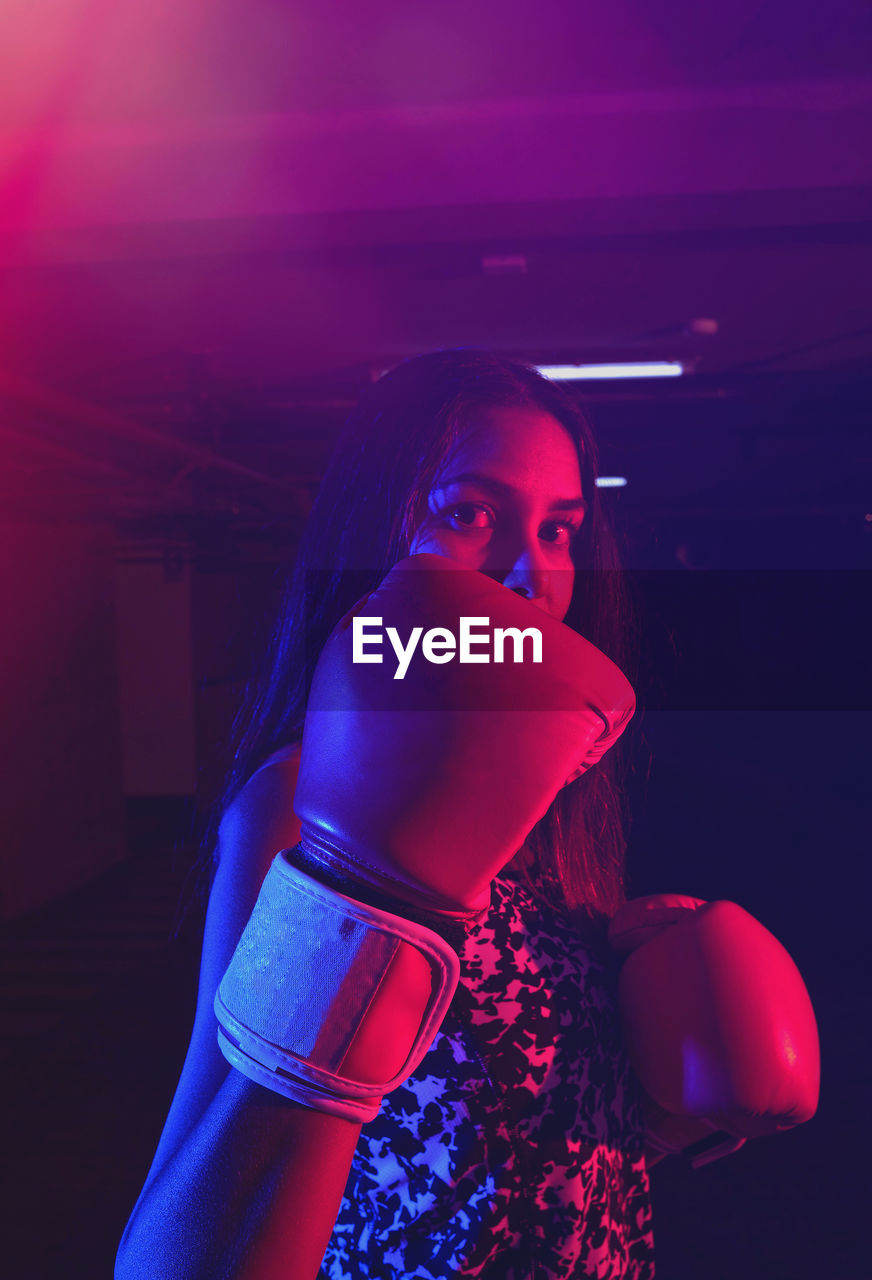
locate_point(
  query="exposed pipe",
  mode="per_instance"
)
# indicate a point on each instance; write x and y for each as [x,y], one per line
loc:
[61,453]
[71,409]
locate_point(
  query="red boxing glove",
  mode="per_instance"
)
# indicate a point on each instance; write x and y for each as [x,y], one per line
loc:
[426,786]
[718,1024]
[421,775]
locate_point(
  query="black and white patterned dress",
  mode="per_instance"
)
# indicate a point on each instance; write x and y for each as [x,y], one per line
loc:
[513,1152]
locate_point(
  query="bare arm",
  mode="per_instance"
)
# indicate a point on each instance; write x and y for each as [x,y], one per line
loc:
[244,1184]
[252,1193]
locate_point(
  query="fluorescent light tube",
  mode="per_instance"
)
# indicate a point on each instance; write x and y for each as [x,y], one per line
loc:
[575,372]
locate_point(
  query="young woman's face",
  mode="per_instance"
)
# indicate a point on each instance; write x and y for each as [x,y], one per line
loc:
[508,502]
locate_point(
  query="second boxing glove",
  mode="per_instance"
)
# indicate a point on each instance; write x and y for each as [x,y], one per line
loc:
[718,1023]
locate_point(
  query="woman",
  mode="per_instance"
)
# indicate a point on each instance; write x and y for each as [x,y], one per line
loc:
[514,1149]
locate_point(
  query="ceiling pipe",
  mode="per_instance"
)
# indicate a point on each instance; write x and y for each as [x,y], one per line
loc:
[70,409]
[60,453]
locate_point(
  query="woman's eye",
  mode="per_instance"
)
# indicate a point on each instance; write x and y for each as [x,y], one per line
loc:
[470,515]
[559,533]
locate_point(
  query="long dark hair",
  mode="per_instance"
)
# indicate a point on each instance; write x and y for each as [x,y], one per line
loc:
[388,455]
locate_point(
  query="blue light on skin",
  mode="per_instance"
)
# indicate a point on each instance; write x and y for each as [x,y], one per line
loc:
[508,502]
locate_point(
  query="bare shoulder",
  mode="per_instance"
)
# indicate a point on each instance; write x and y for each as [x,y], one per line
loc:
[261,820]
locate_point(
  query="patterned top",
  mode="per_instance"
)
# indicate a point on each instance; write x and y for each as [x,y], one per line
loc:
[513,1151]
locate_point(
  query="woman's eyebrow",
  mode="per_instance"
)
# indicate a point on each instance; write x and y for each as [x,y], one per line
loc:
[508,490]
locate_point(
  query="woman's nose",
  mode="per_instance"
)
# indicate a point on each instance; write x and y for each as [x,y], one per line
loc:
[528,576]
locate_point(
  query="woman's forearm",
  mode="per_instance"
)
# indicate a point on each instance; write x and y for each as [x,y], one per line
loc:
[252,1193]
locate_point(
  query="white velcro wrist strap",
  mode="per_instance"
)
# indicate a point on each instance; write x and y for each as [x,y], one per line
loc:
[297,990]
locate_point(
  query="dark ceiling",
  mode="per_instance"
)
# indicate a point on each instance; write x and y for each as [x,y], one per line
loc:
[218,219]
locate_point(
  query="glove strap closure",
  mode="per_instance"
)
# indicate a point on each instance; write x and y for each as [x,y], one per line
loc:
[716,1146]
[352,873]
[296,993]
[697,1139]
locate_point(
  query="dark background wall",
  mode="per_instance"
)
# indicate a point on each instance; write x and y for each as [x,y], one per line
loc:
[61,793]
